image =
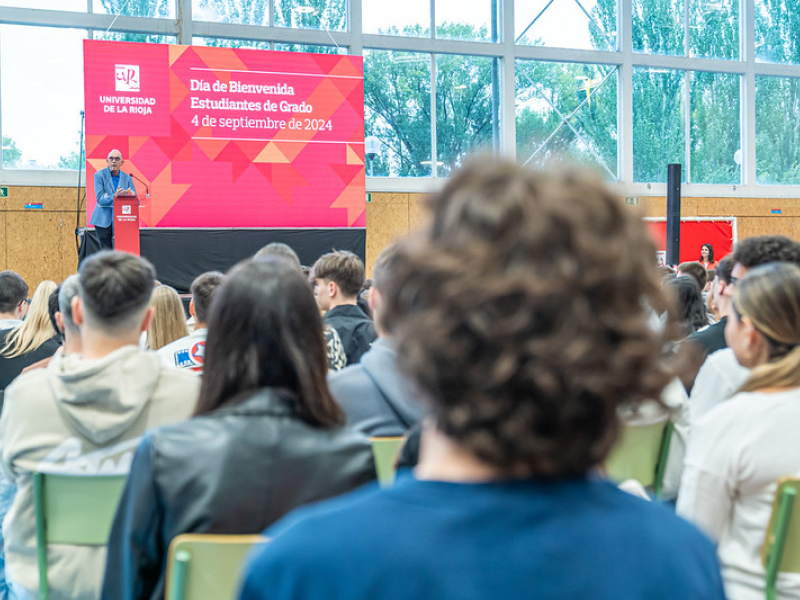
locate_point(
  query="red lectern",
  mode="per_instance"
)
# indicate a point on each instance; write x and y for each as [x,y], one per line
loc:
[126,224]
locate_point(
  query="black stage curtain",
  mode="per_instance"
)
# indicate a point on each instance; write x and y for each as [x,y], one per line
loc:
[180,255]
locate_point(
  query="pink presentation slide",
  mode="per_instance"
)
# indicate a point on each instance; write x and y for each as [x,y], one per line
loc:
[221,137]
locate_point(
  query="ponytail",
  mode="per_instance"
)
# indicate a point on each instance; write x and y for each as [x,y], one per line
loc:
[781,373]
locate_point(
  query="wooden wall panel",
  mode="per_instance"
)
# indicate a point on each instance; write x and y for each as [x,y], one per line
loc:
[754,215]
[3,241]
[418,212]
[751,226]
[52,199]
[714,207]
[654,207]
[41,243]
[387,221]
[38,245]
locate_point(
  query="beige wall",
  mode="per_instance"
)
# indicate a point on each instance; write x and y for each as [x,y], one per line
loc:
[40,244]
[753,214]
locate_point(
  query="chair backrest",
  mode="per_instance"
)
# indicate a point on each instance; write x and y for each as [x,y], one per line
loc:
[73,509]
[781,549]
[641,453]
[385,451]
[206,566]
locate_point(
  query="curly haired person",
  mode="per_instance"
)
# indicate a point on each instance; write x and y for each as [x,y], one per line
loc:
[521,313]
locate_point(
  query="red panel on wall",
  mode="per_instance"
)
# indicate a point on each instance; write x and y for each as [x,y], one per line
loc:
[693,235]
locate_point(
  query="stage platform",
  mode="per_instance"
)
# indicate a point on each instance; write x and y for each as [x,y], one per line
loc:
[180,255]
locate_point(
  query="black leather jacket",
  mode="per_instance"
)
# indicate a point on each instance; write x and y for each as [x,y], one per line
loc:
[236,470]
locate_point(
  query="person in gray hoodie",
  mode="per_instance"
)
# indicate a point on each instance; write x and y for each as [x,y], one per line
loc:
[86,414]
[378,399]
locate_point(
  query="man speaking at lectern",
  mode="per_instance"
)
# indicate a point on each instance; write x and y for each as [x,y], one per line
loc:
[108,184]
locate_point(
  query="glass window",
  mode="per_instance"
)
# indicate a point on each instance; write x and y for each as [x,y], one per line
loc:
[310,48]
[777,29]
[715,128]
[397,110]
[260,45]
[658,123]
[567,111]
[658,26]
[45,90]
[230,43]
[244,12]
[463,108]
[71,5]
[459,20]
[408,18]
[125,36]
[136,8]
[777,134]
[311,14]
[714,28]
[592,24]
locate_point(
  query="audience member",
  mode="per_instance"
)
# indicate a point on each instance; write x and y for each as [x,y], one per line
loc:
[711,274]
[278,249]
[721,374]
[690,311]
[694,270]
[377,398]
[524,389]
[362,300]
[66,323]
[13,299]
[86,414]
[741,447]
[712,338]
[62,320]
[52,309]
[266,436]
[31,341]
[188,351]
[336,356]
[169,321]
[693,352]
[707,256]
[338,277]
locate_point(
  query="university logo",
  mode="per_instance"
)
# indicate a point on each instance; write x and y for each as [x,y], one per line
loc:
[126,78]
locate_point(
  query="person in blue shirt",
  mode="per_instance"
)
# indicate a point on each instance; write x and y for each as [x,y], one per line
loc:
[108,184]
[521,313]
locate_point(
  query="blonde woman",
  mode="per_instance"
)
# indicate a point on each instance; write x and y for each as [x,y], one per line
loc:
[30,342]
[169,320]
[741,447]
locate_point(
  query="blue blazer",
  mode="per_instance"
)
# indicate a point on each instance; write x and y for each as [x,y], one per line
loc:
[104,190]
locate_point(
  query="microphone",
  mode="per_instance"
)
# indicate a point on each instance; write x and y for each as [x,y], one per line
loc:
[146,188]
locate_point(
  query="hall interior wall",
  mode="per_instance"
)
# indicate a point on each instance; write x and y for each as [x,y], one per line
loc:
[40,243]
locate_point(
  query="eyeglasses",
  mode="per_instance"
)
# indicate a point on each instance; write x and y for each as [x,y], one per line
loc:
[26,301]
[114,158]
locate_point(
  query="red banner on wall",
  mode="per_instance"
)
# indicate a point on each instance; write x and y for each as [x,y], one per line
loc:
[694,233]
[223,137]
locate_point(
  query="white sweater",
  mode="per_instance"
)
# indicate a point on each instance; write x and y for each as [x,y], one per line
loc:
[737,452]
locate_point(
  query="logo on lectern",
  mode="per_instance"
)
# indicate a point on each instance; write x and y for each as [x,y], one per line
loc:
[126,209]
[126,78]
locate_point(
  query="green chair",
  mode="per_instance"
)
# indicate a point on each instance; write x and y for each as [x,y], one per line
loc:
[385,451]
[72,509]
[641,453]
[207,567]
[781,549]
